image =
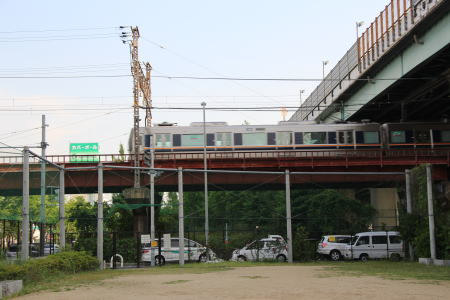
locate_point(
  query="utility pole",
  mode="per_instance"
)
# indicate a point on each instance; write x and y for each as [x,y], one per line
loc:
[25,205]
[205,175]
[42,207]
[100,217]
[141,83]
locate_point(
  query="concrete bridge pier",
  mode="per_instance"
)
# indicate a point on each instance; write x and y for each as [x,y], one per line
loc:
[138,200]
[384,200]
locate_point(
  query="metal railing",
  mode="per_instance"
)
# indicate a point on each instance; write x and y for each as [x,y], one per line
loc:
[443,155]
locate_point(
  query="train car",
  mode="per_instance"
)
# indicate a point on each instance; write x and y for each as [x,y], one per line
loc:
[416,135]
[284,136]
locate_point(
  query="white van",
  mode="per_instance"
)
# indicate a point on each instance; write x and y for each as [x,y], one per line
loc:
[170,251]
[375,245]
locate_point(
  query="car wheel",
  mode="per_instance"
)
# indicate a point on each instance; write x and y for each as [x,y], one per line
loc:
[281,258]
[364,257]
[160,260]
[203,258]
[241,258]
[335,255]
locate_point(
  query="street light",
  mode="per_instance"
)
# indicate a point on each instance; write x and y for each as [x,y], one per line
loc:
[358,24]
[301,92]
[324,63]
[203,104]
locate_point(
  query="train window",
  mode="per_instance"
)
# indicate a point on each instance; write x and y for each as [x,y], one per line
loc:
[298,138]
[191,140]
[445,135]
[254,139]
[371,137]
[223,139]
[162,140]
[422,136]
[284,138]
[310,138]
[398,137]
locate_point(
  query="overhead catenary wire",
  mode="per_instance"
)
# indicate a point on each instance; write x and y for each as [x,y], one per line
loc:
[224,78]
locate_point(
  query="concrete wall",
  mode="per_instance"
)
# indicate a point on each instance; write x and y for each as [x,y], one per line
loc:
[384,200]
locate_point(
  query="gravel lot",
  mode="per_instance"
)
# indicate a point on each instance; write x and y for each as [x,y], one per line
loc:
[265,282]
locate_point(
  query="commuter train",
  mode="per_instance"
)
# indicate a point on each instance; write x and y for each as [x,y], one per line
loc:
[167,137]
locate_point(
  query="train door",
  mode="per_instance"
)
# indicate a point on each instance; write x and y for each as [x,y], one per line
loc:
[345,139]
[422,138]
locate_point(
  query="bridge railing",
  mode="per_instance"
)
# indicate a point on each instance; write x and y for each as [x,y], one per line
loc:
[344,154]
[397,19]
[70,159]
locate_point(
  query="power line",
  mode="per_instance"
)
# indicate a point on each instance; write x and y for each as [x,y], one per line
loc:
[59,30]
[223,78]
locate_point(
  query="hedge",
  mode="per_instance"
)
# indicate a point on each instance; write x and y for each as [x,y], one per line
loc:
[37,269]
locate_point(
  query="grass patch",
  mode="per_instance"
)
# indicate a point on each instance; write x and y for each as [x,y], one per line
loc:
[392,270]
[176,281]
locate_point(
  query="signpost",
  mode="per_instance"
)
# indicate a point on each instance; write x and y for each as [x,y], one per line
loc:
[84,152]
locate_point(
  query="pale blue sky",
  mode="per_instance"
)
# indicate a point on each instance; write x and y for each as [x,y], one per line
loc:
[202,38]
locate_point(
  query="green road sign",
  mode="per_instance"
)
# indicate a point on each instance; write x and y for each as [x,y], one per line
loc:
[84,152]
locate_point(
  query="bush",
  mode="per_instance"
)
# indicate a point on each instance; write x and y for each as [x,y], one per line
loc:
[125,247]
[59,263]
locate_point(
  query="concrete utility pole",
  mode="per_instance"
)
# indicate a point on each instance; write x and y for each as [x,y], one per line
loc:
[288,217]
[180,216]
[431,212]
[25,205]
[62,225]
[409,205]
[42,207]
[141,83]
[152,204]
[100,217]
[205,166]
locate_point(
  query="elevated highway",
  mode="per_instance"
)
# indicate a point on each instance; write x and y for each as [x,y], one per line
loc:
[398,70]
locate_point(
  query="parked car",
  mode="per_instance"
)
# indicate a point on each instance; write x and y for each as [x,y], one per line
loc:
[51,249]
[375,245]
[333,246]
[273,247]
[13,251]
[170,253]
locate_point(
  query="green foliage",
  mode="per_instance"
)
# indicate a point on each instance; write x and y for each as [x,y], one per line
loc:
[11,208]
[126,246]
[83,215]
[251,215]
[330,212]
[39,269]
[414,227]
[304,249]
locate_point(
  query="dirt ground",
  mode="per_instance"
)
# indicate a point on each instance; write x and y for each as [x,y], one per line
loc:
[265,282]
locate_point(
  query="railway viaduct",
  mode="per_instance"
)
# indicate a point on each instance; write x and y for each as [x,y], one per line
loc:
[398,70]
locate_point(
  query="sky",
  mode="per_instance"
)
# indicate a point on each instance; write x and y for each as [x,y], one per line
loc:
[239,39]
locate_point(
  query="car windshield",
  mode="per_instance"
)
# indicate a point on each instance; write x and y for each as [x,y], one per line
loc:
[354,239]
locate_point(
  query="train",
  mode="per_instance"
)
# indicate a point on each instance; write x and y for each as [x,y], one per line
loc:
[220,136]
